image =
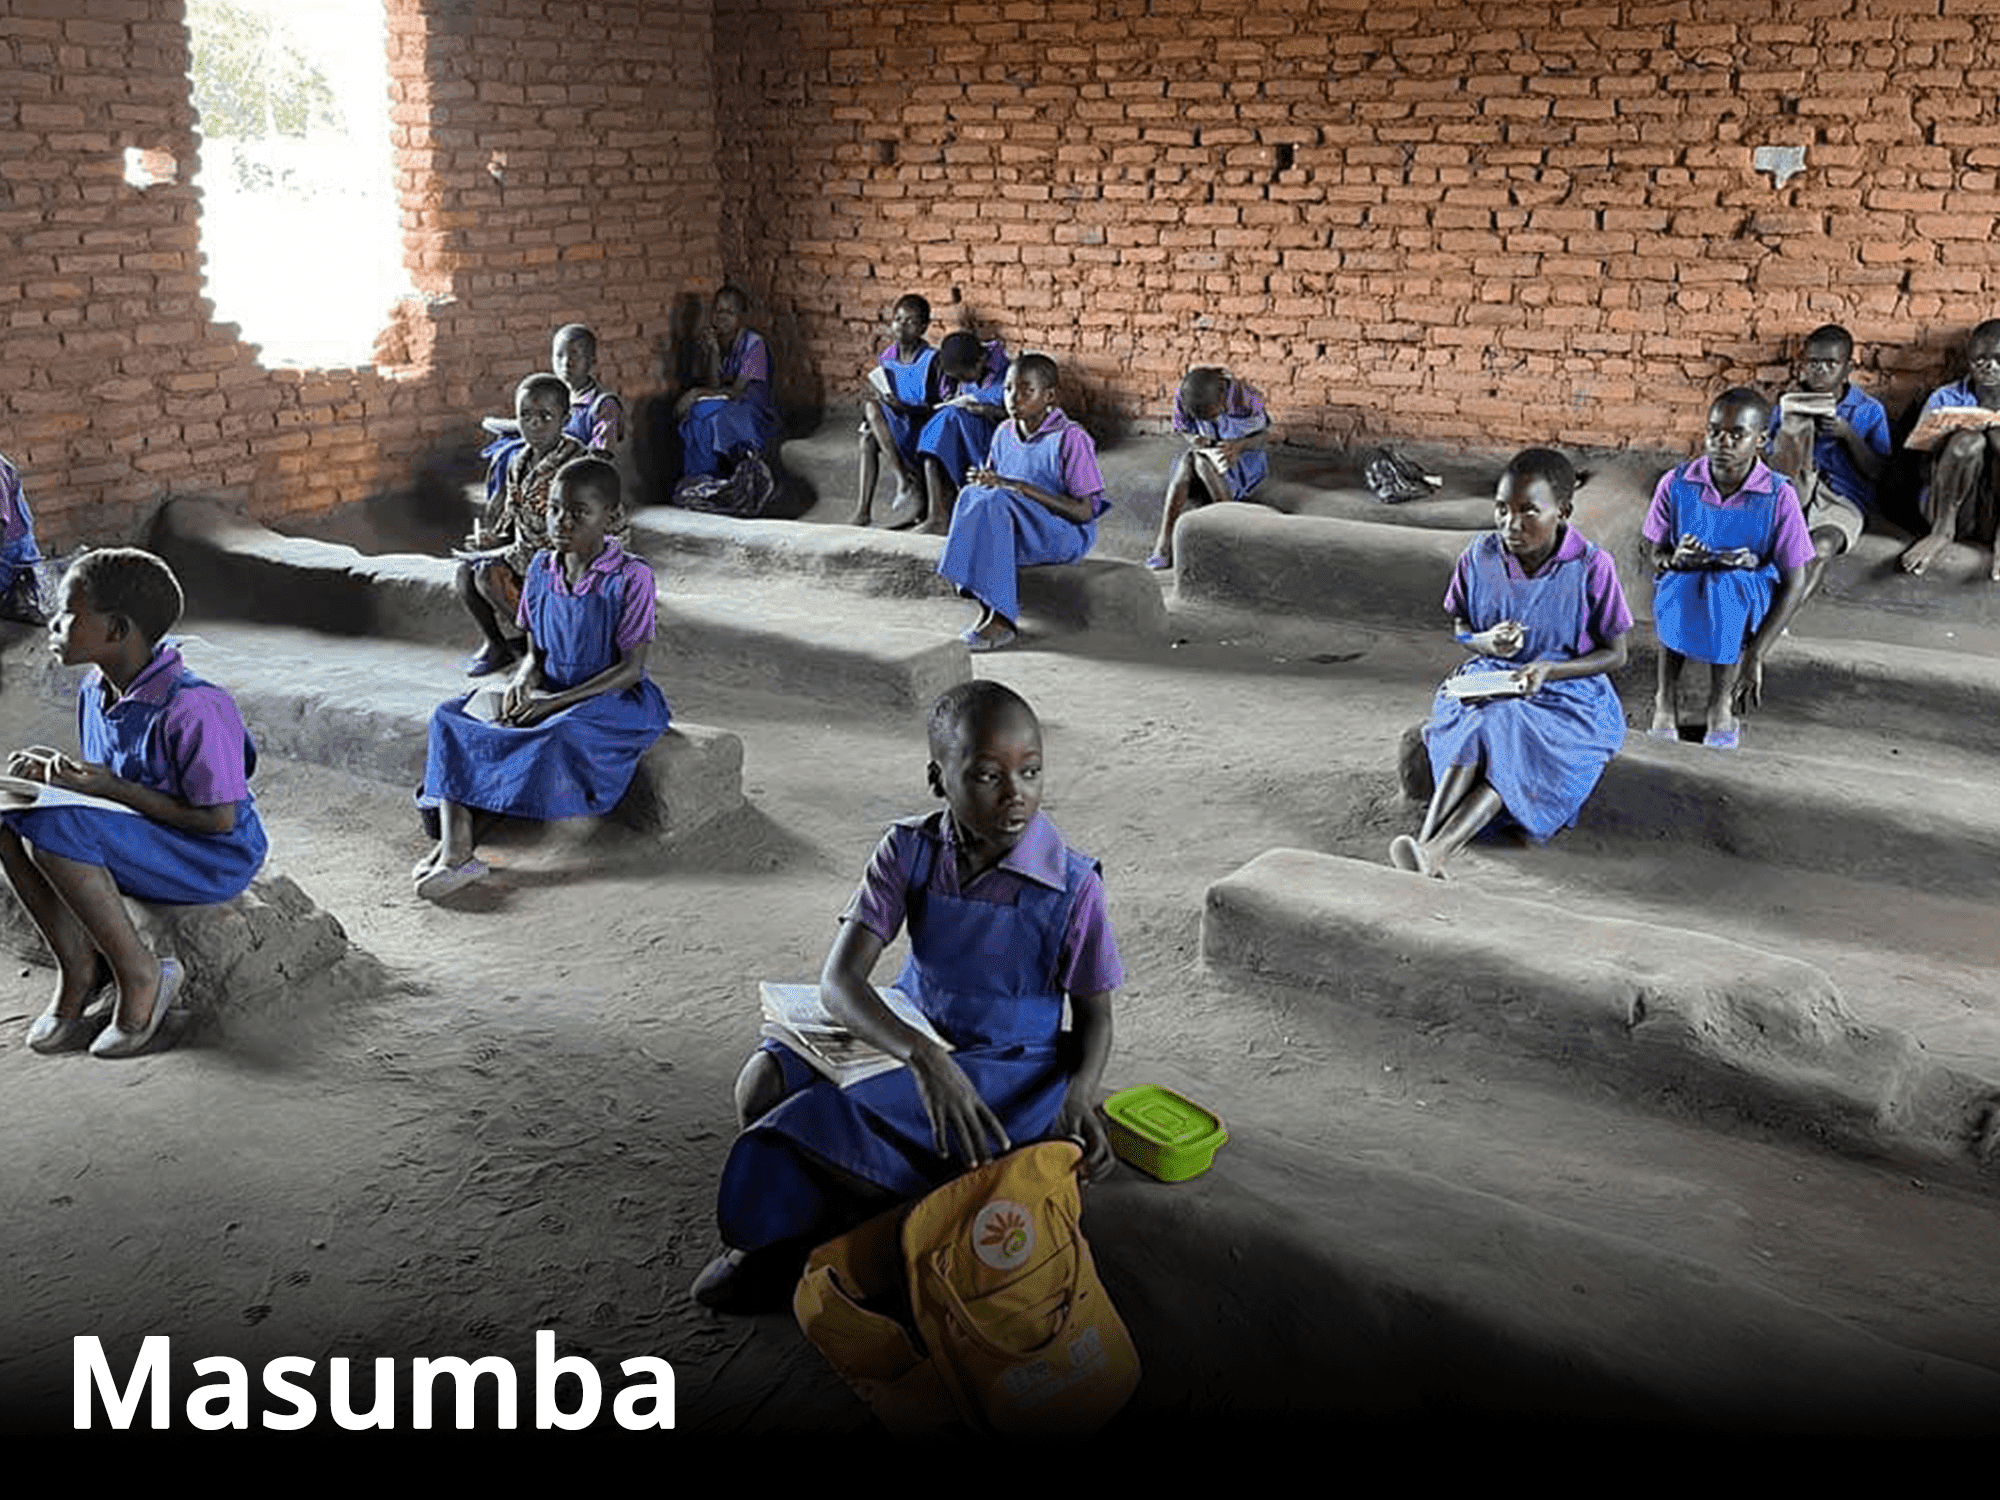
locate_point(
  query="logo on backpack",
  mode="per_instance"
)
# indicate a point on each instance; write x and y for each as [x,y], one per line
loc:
[1003,1235]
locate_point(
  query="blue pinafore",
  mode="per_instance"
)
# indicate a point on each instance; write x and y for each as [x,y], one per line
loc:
[148,861]
[1545,752]
[713,429]
[959,439]
[985,976]
[995,531]
[1250,468]
[1709,614]
[912,384]
[574,764]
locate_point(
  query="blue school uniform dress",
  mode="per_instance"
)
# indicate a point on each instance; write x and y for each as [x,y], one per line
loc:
[912,384]
[959,439]
[581,424]
[1242,416]
[574,764]
[177,734]
[1542,753]
[1708,614]
[995,531]
[985,975]
[714,429]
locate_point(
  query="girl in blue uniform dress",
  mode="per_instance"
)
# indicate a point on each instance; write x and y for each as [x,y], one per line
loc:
[595,417]
[1226,428]
[1035,502]
[20,599]
[1730,547]
[1535,600]
[730,405]
[163,743]
[567,735]
[972,403]
[1005,922]
[890,423]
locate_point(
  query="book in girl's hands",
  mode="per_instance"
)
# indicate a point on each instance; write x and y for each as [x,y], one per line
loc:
[1808,404]
[884,383]
[1941,422]
[1476,685]
[795,1015]
[18,792]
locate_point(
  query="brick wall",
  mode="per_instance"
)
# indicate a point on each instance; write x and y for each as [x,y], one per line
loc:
[117,387]
[1489,223]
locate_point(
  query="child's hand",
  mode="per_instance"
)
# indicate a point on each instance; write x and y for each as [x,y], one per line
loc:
[1739,557]
[80,776]
[1689,554]
[1533,676]
[980,474]
[1078,1120]
[1503,640]
[33,763]
[962,1124]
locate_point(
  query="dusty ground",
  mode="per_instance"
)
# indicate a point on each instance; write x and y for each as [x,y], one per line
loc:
[522,1128]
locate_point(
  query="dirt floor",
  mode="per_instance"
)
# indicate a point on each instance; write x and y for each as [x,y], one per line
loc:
[516,1124]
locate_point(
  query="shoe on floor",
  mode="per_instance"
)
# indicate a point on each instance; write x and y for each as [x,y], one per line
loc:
[1723,739]
[443,879]
[115,1041]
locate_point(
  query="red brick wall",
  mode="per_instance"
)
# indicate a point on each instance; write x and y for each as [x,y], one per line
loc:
[117,387]
[1489,222]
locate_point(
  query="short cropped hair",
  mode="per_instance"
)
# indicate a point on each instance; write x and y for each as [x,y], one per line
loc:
[1038,368]
[575,331]
[1202,387]
[1990,329]
[593,474]
[1744,396]
[733,294]
[542,383]
[966,707]
[131,583]
[920,305]
[1832,333]
[1549,466]
[960,350]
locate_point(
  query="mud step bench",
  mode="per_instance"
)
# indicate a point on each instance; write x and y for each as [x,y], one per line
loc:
[1755,804]
[1098,594]
[365,707]
[237,954]
[1674,1012]
[712,632]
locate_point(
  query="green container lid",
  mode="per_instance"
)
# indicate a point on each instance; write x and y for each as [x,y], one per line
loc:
[1163,1134]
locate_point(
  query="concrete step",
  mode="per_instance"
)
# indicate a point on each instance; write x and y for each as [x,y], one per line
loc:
[1668,1011]
[365,707]
[1780,809]
[1098,594]
[233,566]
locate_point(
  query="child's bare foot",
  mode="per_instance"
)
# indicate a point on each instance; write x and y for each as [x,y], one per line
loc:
[1404,854]
[863,516]
[1921,553]
[1665,721]
[933,524]
[1993,572]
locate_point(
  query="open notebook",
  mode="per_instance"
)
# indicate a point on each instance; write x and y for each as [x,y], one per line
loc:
[795,1015]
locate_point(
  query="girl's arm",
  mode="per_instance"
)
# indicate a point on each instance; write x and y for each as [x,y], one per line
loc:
[1606,658]
[962,1124]
[1090,1041]
[621,674]
[1502,640]
[1750,679]
[1067,506]
[526,681]
[159,807]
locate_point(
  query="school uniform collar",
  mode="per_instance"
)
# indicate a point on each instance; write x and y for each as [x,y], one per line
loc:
[610,560]
[1760,480]
[154,684]
[1037,855]
[1572,546]
[1053,420]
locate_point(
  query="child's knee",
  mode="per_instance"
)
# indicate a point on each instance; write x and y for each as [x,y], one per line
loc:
[759,1087]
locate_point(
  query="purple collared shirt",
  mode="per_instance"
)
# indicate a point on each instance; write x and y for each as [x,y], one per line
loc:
[13,515]
[635,616]
[607,421]
[1088,964]
[1791,543]
[198,752]
[1605,614]
[748,358]
[1081,479]
[1242,414]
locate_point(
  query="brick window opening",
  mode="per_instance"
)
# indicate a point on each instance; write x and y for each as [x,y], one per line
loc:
[300,228]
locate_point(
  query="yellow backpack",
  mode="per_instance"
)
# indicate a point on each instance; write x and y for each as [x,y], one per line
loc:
[979,1303]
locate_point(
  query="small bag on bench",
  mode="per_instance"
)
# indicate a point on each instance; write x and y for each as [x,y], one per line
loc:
[979,1303]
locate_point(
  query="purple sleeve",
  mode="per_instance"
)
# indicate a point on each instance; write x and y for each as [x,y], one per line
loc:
[204,742]
[1659,523]
[635,619]
[1089,963]
[1080,476]
[1606,615]
[878,902]
[754,363]
[1247,406]
[607,427]
[1791,543]
[1457,597]
[1182,421]
[13,516]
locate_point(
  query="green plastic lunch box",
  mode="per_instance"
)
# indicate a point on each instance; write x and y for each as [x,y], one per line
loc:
[1162,1134]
